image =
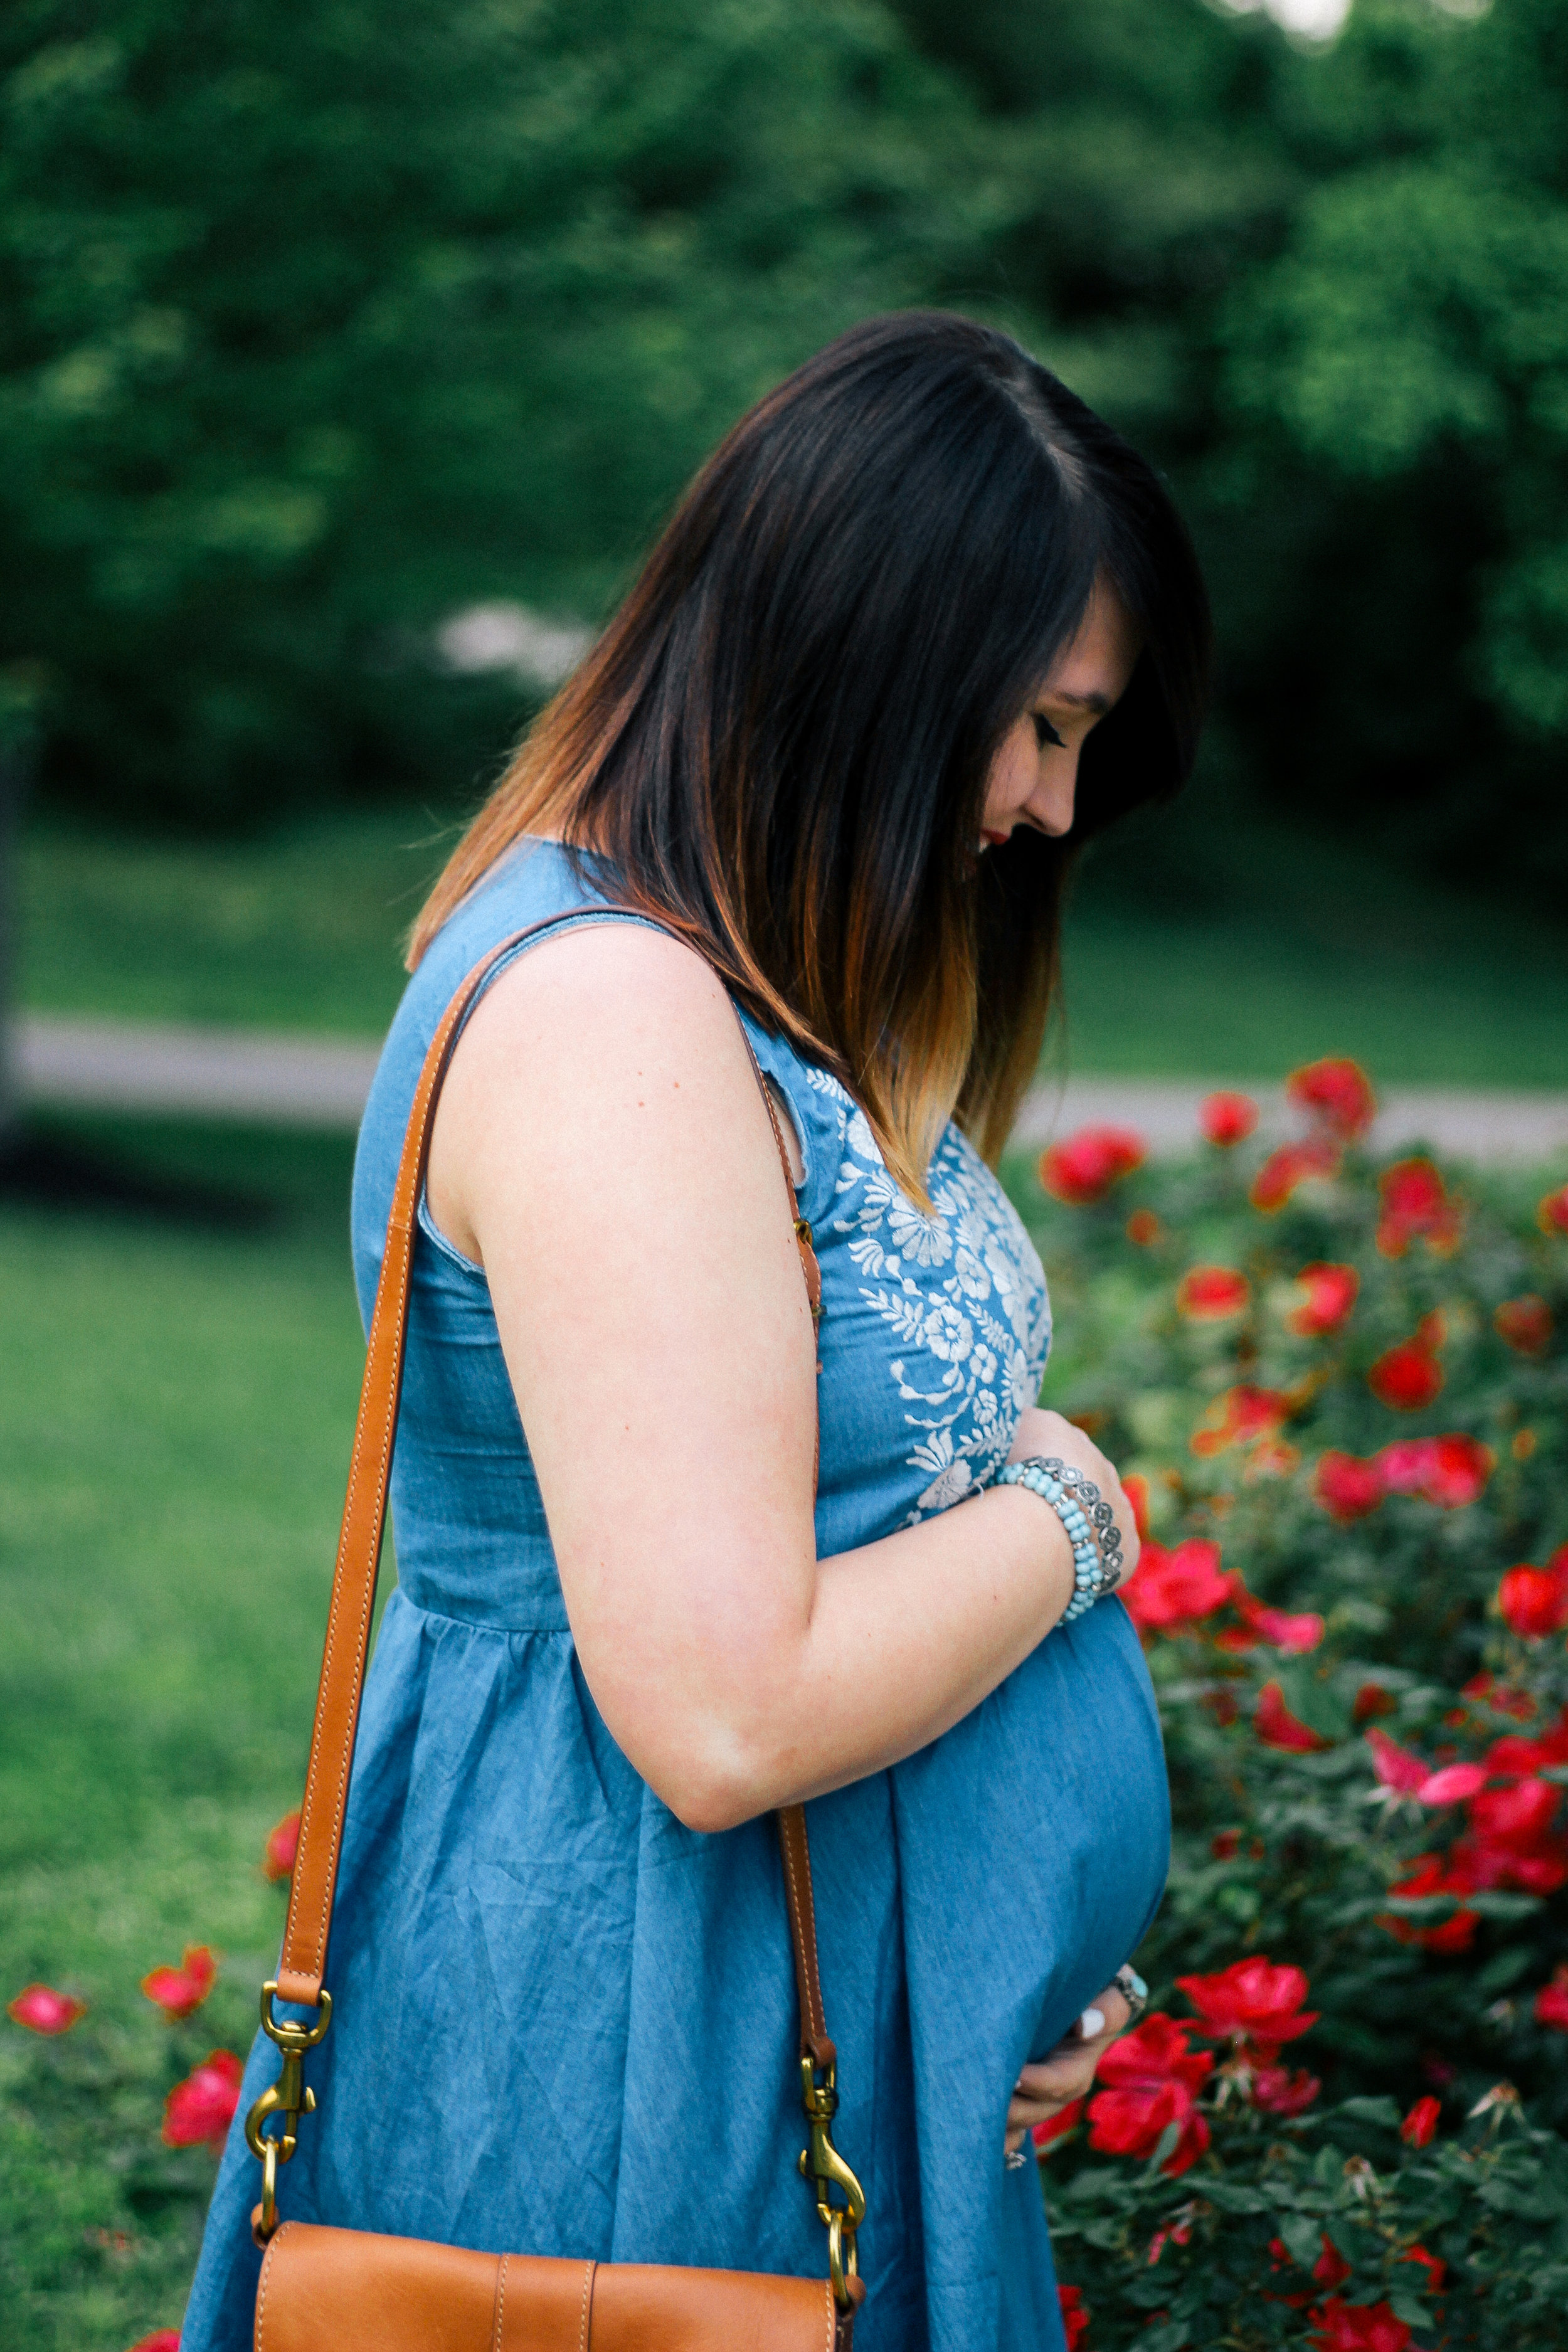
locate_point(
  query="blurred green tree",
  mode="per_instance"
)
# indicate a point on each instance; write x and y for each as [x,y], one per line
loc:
[1329,289]
[321,319]
[318,322]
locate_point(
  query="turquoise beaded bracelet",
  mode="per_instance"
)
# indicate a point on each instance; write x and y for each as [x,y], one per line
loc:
[1090,1523]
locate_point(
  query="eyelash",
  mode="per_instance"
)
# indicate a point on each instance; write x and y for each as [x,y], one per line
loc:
[1046,733]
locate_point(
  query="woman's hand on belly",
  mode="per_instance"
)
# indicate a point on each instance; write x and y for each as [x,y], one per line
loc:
[1050,1433]
[1043,2091]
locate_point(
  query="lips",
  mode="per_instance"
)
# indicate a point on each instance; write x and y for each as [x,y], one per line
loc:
[994,840]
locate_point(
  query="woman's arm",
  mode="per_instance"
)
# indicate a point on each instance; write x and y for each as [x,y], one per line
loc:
[601,1147]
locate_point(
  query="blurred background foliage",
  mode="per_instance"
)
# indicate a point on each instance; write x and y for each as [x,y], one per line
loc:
[318,322]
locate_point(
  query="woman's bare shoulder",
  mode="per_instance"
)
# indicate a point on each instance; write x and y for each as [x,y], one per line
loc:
[610,1043]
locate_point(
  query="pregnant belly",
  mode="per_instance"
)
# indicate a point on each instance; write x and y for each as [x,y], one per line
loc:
[1035,1837]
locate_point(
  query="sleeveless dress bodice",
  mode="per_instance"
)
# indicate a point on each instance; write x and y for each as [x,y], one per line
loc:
[565,2023]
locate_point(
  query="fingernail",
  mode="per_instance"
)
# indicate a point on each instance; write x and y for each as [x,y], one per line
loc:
[1091,2022]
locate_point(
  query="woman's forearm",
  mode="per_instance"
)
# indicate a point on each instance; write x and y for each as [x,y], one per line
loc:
[904,1637]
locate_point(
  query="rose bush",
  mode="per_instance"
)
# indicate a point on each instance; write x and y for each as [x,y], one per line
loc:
[1340,1390]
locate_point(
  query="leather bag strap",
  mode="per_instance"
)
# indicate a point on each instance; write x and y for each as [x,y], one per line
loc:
[352,1605]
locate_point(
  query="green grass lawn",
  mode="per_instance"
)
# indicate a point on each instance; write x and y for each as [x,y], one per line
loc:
[1239,950]
[174,1411]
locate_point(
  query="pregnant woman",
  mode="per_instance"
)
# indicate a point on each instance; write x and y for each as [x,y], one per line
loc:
[921,626]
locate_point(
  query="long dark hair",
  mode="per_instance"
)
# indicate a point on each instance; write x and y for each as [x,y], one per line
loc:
[781,741]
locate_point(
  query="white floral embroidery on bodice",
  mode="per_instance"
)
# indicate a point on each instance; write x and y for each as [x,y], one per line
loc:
[962,1294]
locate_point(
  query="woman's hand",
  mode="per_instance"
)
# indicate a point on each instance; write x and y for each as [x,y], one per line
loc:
[1051,1434]
[1043,2091]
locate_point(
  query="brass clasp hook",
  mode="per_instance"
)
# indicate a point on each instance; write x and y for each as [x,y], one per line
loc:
[821,2162]
[288,2097]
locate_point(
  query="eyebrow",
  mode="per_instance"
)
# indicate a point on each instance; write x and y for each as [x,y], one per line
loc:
[1099,703]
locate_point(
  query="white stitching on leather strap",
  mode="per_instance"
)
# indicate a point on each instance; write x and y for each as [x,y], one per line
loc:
[588,2270]
[277,2235]
[831,2319]
[501,2303]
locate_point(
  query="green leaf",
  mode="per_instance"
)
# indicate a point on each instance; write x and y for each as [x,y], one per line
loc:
[1303,2238]
[1369,2111]
[1504,1906]
[1171,2337]
[1231,2197]
[1505,1969]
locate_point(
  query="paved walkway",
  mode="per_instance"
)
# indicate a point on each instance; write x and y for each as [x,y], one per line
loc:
[296,1081]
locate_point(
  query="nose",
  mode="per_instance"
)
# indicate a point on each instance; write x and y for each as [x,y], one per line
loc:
[1050,804]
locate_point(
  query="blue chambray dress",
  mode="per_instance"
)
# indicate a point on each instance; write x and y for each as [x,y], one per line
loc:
[547,1991]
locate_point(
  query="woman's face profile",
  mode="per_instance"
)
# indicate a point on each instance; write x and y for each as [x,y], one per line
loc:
[1034,772]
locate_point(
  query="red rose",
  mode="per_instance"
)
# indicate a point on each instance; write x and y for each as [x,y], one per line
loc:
[1396,1767]
[1275,1626]
[1228,1118]
[1144,1229]
[1414,1205]
[1152,2080]
[1276,1728]
[1373,1699]
[1338,1095]
[198,2111]
[1238,1417]
[1550,2005]
[178,1992]
[1448,1470]
[1330,1292]
[1453,1785]
[1533,1602]
[1525,1323]
[1347,1488]
[1429,1873]
[1419,2128]
[282,1845]
[163,2339]
[43,2011]
[1279,2092]
[1136,1489]
[1551,1214]
[1510,1844]
[1514,1753]
[1517,1817]
[1292,1164]
[1209,1293]
[1358,2327]
[1407,1377]
[1330,2269]
[1075,2318]
[1252,2001]
[1174,1590]
[1082,1167]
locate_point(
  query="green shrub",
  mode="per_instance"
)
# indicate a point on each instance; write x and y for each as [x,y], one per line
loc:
[1353,1599]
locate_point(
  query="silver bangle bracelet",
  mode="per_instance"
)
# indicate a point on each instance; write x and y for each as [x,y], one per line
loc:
[1088,1521]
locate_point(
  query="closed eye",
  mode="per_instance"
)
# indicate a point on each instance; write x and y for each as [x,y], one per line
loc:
[1046,733]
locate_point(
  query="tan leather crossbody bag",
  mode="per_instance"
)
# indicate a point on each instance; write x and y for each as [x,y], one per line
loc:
[325,2290]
